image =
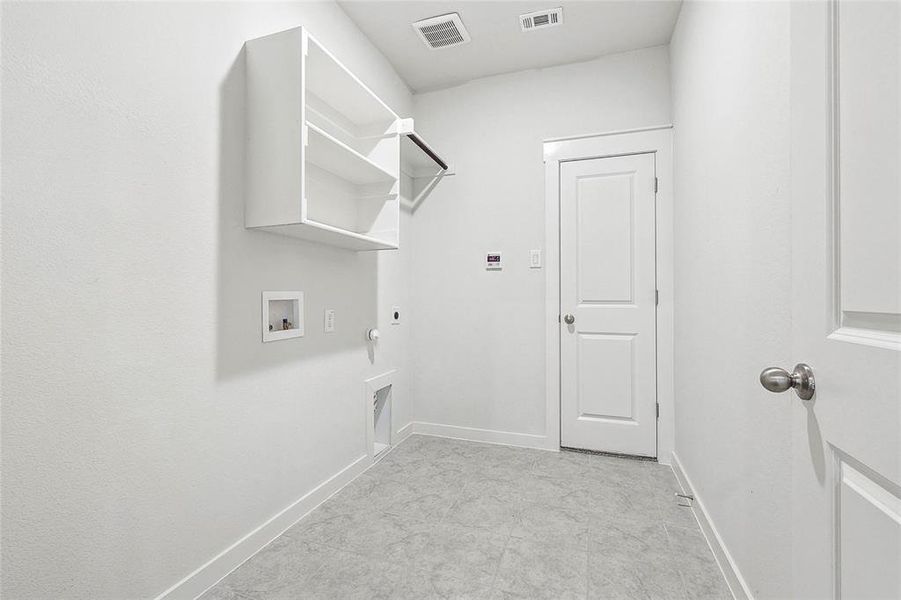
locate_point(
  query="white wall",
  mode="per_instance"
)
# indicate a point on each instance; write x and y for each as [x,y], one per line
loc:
[145,427]
[730,73]
[478,340]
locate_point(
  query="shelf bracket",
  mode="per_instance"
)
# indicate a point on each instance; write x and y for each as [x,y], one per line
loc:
[427,190]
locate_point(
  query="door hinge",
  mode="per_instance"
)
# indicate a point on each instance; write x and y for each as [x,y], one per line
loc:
[656,185]
[656,297]
[658,410]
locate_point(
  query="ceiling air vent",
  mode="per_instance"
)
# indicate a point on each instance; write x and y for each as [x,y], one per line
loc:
[541,19]
[442,31]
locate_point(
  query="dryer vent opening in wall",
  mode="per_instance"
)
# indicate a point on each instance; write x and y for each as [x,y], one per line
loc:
[541,19]
[381,409]
[443,31]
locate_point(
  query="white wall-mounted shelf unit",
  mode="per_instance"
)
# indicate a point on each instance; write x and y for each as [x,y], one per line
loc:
[323,151]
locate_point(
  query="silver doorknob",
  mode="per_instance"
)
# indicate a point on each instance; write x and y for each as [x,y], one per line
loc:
[569,319]
[779,380]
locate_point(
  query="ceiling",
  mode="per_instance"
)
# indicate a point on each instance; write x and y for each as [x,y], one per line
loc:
[589,29]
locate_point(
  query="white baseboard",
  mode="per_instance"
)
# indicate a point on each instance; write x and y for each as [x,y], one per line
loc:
[403,433]
[235,555]
[737,584]
[523,440]
[217,568]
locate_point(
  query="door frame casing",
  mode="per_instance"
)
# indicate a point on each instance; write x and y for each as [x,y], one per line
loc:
[656,140]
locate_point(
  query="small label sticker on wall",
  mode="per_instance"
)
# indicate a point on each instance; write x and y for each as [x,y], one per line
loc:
[493,261]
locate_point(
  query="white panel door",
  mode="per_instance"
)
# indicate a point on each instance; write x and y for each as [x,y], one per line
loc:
[608,291]
[846,265]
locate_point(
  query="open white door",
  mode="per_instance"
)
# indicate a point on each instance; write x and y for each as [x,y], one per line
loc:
[847,298]
[607,297]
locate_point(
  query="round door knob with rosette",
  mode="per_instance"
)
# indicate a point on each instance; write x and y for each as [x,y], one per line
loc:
[801,380]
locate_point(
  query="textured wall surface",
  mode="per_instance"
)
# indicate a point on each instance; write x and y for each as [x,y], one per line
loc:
[145,426]
[478,345]
[730,74]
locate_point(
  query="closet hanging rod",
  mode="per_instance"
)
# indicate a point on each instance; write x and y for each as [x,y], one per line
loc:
[429,152]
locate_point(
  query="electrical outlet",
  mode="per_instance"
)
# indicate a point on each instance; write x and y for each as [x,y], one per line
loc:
[395,315]
[534,259]
[329,320]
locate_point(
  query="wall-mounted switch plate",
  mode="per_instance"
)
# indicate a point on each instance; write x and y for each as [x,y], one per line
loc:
[395,315]
[329,320]
[534,259]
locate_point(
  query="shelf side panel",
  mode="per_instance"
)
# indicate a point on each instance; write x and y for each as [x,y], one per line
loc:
[274,121]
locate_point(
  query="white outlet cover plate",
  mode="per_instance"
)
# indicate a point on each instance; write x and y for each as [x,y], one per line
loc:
[329,320]
[534,259]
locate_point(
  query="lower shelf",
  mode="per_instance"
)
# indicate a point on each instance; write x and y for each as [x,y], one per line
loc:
[320,232]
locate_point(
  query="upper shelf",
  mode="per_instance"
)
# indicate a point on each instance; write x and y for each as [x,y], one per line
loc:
[336,157]
[340,89]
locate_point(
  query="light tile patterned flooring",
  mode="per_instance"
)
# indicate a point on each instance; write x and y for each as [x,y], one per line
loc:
[441,518]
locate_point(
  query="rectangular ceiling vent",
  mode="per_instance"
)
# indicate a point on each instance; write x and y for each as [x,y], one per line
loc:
[442,31]
[541,19]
